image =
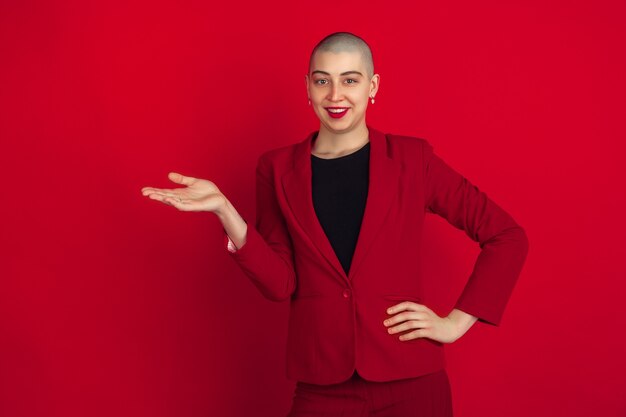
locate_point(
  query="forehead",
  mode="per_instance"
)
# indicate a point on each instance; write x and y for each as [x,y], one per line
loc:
[337,62]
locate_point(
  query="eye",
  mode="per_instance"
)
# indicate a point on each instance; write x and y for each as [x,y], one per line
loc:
[351,79]
[319,81]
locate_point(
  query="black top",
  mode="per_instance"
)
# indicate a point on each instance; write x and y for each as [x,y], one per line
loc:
[339,194]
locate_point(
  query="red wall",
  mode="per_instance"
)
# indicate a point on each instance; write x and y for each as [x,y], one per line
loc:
[112,304]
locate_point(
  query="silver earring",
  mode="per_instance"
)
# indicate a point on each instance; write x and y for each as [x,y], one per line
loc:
[372,100]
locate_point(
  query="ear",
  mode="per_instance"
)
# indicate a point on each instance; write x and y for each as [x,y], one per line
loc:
[374,84]
[306,82]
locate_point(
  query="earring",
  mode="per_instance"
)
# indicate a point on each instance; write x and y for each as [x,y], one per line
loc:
[309,102]
[372,100]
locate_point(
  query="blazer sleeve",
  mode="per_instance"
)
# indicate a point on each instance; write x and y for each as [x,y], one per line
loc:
[266,257]
[503,243]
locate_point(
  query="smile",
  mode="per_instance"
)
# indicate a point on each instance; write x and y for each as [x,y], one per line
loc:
[337,112]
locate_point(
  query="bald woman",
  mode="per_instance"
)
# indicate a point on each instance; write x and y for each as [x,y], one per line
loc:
[338,234]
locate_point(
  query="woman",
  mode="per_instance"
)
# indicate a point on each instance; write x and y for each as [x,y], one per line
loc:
[338,234]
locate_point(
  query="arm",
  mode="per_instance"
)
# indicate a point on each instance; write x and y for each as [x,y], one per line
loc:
[503,243]
[462,321]
[233,224]
[263,251]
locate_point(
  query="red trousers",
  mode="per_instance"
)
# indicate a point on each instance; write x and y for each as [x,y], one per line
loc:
[424,396]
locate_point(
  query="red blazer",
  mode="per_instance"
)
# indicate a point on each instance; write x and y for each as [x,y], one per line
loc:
[336,321]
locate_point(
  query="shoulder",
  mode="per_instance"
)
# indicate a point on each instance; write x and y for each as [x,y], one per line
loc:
[279,153]
[405,140]
[276,159]
[407,146]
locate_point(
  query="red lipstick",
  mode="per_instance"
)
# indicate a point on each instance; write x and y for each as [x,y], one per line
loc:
[337,114]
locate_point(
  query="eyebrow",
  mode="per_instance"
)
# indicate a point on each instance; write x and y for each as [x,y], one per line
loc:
[343,73]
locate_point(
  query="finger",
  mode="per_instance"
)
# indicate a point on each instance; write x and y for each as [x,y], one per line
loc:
[408,325]
[157,196]
[163,195]
[171,200]
[180,204]
[400,317]
[415,334]
[180,179]
[149,190]
[405,305]
[174,202]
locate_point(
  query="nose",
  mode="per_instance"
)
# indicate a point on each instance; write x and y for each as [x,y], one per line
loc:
[335,93]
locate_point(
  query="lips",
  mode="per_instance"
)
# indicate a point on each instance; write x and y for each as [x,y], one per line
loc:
[337,112]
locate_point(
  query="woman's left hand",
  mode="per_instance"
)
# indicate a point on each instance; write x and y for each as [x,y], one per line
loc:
[409,315]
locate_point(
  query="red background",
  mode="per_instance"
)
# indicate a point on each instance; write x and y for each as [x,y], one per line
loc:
[112,304]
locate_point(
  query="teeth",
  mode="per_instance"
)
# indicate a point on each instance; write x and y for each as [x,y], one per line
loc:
[337,110]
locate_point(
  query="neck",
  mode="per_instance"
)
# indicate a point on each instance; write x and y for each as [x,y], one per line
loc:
[335,144]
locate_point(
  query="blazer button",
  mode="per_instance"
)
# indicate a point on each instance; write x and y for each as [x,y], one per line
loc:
[346,293]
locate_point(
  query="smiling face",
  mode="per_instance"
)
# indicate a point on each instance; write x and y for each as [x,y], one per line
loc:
[339,87]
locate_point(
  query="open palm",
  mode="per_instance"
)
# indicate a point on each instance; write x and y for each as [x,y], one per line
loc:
[198,195]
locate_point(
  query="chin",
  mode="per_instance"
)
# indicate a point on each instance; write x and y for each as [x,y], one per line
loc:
[337,129]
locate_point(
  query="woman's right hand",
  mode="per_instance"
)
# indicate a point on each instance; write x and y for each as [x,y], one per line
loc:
[198,195]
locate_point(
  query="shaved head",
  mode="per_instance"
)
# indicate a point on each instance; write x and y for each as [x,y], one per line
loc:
[346,42]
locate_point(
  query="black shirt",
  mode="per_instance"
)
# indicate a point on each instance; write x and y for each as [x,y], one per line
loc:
[339,195]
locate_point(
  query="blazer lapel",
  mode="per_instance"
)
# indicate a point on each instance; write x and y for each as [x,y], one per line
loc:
[383,184]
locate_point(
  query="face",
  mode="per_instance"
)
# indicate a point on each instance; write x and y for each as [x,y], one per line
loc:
[340,81]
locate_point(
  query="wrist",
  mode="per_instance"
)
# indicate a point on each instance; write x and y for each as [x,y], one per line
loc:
[461,320]
[225,209]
